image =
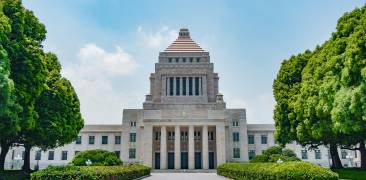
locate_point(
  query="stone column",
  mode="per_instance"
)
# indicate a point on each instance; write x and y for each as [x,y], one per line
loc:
[220,144]
[163,153]
[187,86]
[147,144]
[174,86]
[191,147]
[193,86]
[205,147]
[168,86]
[177,148]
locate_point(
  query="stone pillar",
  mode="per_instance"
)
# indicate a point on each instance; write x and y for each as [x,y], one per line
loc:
[220,144]
[191,147]
[193,86]
[163,153]
[177,148]
[174,86]
[205,147]
[168,86]
[181,86]
[187,86]
[147,144]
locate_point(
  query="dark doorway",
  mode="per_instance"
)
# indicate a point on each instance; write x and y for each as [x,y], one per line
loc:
[171,160]
[211,160]
[157,160]
[184,160]
[197,160]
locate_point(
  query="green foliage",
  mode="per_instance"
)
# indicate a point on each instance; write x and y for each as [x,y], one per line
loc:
[98,157]
[91,172]
[351,173]
[280,171]
[274,153]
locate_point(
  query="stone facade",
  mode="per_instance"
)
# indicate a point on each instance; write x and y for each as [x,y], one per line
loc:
[184,123]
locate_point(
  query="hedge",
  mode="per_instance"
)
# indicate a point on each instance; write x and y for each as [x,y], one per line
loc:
[98,157]
[92,172]
[286,170]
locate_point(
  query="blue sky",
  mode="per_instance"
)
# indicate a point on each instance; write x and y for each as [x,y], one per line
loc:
[108,47]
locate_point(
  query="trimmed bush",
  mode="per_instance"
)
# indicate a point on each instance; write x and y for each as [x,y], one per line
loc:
[280,171]
[91,172]
[274,153]
[98,157]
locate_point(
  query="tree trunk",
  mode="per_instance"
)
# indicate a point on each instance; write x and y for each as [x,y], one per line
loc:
[26,165]
[336,162]
[362,150]
[4,151]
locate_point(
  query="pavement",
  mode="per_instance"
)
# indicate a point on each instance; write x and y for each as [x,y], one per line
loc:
[184,176]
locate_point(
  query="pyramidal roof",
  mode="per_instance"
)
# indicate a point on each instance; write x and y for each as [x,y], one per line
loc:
[184,43]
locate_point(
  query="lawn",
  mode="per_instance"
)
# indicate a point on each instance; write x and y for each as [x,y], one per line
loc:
[351,173]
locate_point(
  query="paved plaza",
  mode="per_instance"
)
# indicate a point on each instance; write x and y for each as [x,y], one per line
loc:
[184,176]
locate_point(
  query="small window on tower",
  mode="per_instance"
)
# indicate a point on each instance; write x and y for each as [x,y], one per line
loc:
[198,60]
[184,60]
[170,60]
[190,59]
[176,59]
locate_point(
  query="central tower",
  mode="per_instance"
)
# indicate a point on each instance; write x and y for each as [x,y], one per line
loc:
[184,78]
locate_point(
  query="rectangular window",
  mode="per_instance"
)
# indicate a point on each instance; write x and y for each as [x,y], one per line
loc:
[133,123]
[344,154]
[250,139]
[264,139]
[177,86]
[51,155]
[12,154]
[78,140]
[318,154]
[184,135]
[117,153]
[236,152]
[23,154]
[64,155]
[117,139]
[211,136]
[104,139]
[171,86]
[355,154]
[132,153]
[91,139]
[197,135]
[157,135]
[190,83]
[235,123]
[171,135]
[304,154]
[132,137]
[236,136]
[38,155]
[184,82]
[251,153]
[197,86]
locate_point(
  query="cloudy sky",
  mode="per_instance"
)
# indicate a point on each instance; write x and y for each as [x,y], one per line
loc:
[108,48]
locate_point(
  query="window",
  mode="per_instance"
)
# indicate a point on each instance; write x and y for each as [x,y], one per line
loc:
[355,154]
[190,83]
[176,59]
[171,86]
[51,155]
[133,123]
[198,60]
[170,60]
[235,123]
[304,154]
[264,139]
[78,140]
[132,153]
[104,139]
[251,153]
[23,154]
[236,136]
[117,153]
[344,154]
[197,135]
[64,155]
[12,154]
[184,135]
[76,153]
[177,86]
[91,139]
[236,152]
[132,137]
[117,139]
[197,86]
[184,60]
[171,135]
[38,155]
[211,135]
[184,82]
[318,154]
[274,141]
[250,139]
[157,135]
[190,59]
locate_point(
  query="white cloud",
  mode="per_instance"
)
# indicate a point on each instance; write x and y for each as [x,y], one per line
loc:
[159,39]
[91,76]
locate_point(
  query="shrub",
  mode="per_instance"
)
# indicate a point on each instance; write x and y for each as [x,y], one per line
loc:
[91,172]
[98,157]
[273,153]
[286,170]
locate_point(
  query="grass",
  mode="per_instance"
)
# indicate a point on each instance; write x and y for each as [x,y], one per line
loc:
[351,173]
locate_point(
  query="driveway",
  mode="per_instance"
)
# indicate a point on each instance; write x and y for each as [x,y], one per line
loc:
[184,176]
